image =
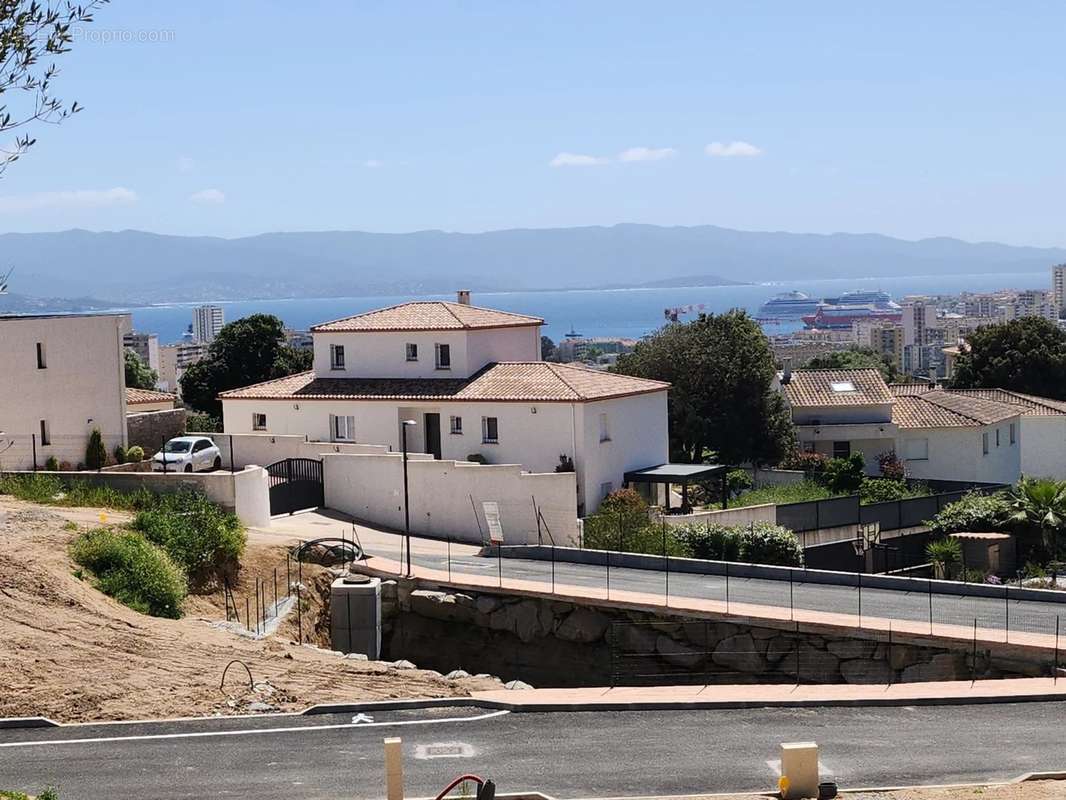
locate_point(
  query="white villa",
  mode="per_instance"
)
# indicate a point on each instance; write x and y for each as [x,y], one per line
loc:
[939,435]
[473,382]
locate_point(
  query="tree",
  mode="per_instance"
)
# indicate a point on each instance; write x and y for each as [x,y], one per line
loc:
[1039,504]
[943,554]
[856,358]
[246,351]
[30,31]
[138,374]
[95,453]
[547,349]
[1026,355]
[720,368]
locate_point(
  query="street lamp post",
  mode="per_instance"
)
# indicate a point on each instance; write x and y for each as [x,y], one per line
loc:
[406,504]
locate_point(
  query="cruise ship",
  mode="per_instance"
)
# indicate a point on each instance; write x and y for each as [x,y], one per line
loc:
[838,313]
[875,299]
[790,305]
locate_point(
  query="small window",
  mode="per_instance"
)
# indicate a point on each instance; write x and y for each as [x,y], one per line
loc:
[841,449]
[842,386]
[984,443]
[457,426]
[343,429]
[259,422]
[336,356]
[605,430]
[1013,434]
[444,356]
[490,433]
[916,450]
[41,363]
[997,437]
[412,351]
[45,438]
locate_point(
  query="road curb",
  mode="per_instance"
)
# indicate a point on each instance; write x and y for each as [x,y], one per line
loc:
[7,723]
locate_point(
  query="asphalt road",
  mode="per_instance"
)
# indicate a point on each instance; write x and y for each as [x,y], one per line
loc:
[995,614]
[566,755]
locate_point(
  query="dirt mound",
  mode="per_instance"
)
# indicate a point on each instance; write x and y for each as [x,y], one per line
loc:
[70,653]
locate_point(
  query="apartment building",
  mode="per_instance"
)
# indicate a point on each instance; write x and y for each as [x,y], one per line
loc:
[207,321]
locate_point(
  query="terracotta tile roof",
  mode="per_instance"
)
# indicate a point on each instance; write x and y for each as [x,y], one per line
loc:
[431,315]
[135,396]
[1033,405]
[910,389]
[529,381]
[837,387]
[939,409]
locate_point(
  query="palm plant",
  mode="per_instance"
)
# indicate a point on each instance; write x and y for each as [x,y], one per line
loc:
[943,554]
[1040,504]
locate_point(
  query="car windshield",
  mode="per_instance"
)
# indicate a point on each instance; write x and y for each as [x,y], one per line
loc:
[176,446]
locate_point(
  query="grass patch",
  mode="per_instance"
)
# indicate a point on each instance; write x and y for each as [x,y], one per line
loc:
[49,490]
[196,533]
[786,493]
[129,568]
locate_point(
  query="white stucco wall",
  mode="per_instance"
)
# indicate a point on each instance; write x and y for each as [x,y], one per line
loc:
[956,454]
[446,497]
[263,449]
[384,355]
[81,388]
[1044,448]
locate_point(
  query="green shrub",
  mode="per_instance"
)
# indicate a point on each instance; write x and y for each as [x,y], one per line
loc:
[135,454]
[195,422]
[801,492]
[845,475]
[738,481]
[36,488]
[621,517]
[120,454]
[944,554]
[973,512]
[477,458]
[807,462]
[95,452]
[197,533]
[757,543]
[132,570]
[882,490]
[51,464]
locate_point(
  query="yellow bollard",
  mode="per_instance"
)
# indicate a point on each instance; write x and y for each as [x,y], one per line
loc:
[799,770]
[394,768]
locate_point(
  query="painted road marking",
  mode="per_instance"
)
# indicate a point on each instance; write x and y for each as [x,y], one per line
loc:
[249,732]
[362,719]
[775,766]
[444,750]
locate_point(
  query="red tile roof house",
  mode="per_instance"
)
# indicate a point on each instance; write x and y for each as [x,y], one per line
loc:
[939,435]
[473,381]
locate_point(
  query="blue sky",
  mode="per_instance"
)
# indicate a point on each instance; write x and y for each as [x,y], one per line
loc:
[234,117]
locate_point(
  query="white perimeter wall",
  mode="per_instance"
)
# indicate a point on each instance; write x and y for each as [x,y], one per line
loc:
[263,449]
[81,388]
[446,497]
[956,454]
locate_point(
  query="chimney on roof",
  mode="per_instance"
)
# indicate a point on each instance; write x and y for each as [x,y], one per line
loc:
[786,375]
[463,297]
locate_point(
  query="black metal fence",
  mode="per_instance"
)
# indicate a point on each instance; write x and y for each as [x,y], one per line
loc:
[838,512]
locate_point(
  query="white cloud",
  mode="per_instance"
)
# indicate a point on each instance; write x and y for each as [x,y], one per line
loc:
[732,149]
[578,160]
[186,164]
[373,163]
[73,198]
[647,154]
[208,197]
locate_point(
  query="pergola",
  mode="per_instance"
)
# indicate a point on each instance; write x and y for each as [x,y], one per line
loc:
[683,474]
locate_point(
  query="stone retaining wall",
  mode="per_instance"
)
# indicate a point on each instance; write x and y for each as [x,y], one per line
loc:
[553,643]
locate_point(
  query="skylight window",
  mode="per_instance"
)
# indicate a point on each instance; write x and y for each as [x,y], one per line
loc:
[842,386]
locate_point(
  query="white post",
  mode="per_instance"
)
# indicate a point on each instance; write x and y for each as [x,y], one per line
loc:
[394,768]
[799,770]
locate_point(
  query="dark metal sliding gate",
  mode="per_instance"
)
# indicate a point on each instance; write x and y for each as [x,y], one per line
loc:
[295,485]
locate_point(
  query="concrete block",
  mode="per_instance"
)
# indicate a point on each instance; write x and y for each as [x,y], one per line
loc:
[799,767]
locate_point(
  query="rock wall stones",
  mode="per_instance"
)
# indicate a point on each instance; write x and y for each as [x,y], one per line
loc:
[552,643]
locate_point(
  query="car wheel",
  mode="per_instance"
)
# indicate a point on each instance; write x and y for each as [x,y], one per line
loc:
[188,467]
[218,462]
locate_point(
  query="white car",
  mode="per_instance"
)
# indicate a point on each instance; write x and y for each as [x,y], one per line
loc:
[187,454]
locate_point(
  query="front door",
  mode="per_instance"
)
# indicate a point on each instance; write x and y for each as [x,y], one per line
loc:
[432,422]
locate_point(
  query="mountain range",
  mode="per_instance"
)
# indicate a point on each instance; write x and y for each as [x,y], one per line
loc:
[135,267]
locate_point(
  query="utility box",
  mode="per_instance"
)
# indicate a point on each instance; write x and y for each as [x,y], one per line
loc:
[355,615]
[799,766]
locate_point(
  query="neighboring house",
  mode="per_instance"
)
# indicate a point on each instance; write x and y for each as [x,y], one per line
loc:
[938,435]
[142,401]
[473,382]
[62,376]
[1043,426]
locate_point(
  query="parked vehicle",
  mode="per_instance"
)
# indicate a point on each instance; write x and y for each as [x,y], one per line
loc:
[187,454]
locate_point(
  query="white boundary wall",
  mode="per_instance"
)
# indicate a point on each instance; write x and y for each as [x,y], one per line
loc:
[263,449]
[446,497]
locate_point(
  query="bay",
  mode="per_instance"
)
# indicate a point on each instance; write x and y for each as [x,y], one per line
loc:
[628,313]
